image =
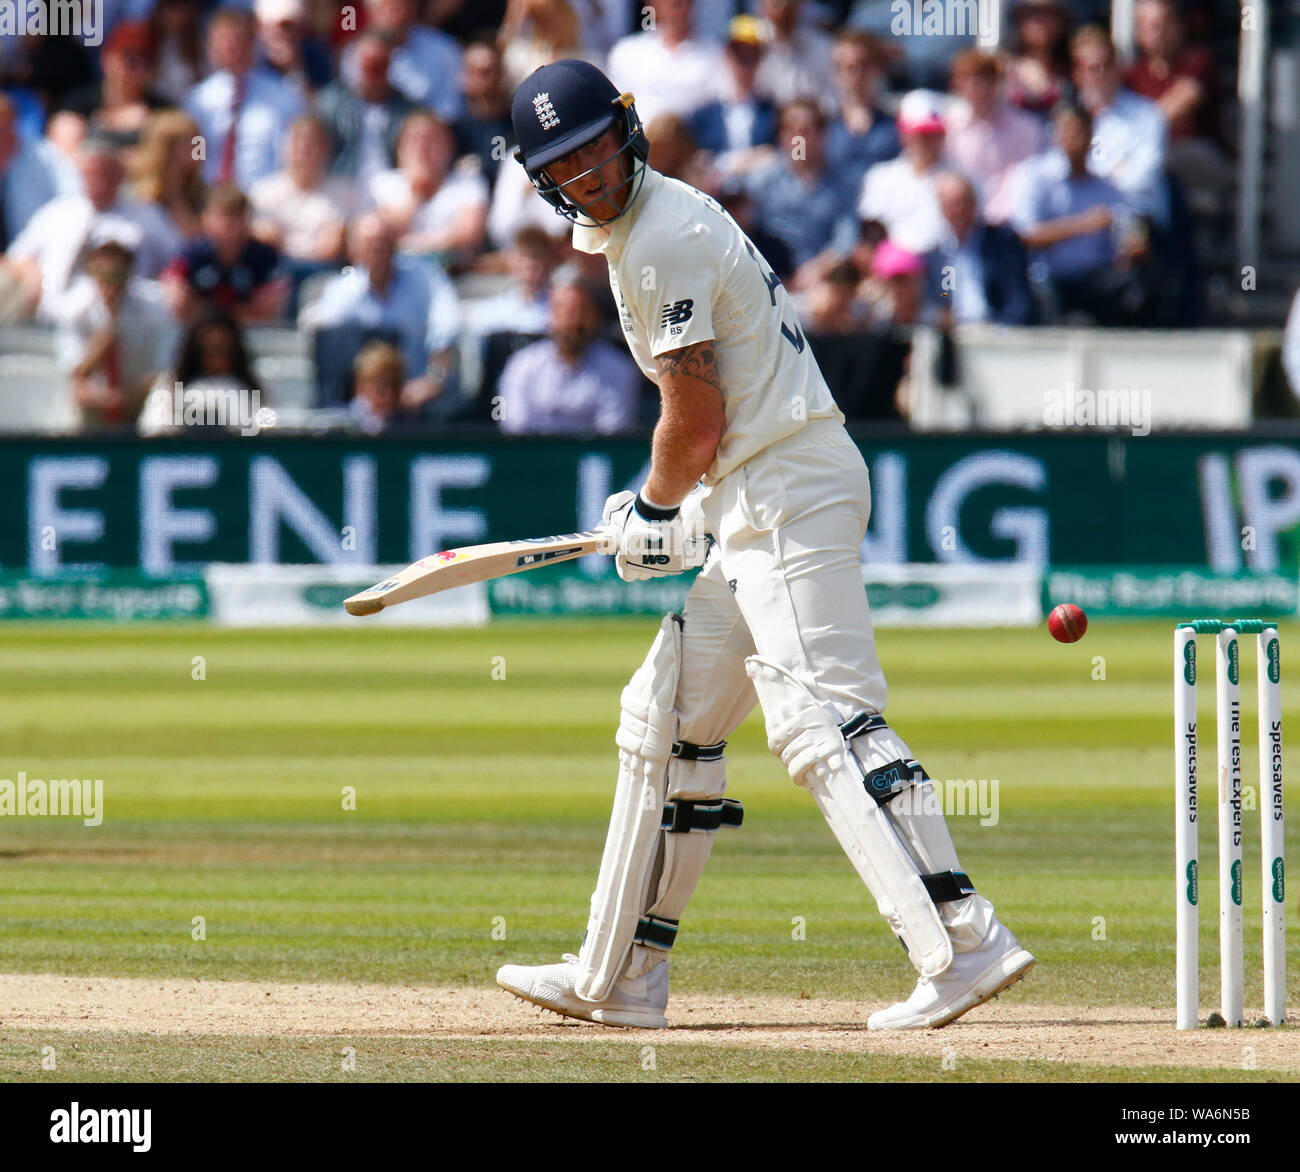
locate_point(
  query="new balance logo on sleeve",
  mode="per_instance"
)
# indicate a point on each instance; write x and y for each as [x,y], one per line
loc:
[676,314]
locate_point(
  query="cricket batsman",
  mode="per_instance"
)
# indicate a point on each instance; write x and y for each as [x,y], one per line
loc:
[750,449]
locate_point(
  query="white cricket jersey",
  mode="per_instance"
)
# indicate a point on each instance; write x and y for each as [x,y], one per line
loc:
[683,272]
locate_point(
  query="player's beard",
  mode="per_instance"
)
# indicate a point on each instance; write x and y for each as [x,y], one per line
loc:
[609,203]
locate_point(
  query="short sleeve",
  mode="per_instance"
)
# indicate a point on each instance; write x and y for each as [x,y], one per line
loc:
[27,245]
[674,284]
[443,327]
[1026,191]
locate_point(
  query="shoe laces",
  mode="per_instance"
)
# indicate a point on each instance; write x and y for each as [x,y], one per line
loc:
[570,958]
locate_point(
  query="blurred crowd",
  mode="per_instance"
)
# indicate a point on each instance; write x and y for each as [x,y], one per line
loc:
[347,170]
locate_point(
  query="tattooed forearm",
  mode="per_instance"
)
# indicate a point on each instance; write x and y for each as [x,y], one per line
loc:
[691,421]
[699,361]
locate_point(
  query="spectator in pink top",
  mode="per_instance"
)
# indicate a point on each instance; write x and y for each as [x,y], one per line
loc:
[987,137]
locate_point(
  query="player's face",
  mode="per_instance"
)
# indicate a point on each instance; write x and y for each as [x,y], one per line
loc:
[590,170]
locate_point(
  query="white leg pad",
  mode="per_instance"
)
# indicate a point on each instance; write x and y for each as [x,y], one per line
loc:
[804,733]
[917,815]
[693,809]
[646,732]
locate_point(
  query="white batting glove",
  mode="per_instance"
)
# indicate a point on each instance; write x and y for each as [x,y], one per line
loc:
[651,542]
[696,526]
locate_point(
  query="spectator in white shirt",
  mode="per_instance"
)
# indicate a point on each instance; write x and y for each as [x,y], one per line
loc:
[115,337]
[798,59]
[433,208]
[407,294]
[210,388]
[573,383]
[667,70]
[524,307]
[300,211]
[1130,134]
[987,137]
[426,62]
[243,110]
[516,205]
[901,193]
[51,246]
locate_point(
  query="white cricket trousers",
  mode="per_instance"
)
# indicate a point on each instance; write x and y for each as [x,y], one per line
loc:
[784,580]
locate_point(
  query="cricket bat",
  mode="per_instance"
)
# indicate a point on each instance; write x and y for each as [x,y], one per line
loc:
[477,563]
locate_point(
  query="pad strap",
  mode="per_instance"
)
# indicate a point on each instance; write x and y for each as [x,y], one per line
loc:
[948,886]
[887,782]
[689,752]
[656,932]
[862,723]
[684,815]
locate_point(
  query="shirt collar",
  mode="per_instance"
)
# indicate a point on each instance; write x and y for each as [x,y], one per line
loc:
[587,236]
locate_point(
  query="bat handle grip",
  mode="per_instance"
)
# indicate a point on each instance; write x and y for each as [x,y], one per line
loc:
[694,549]
[608,540]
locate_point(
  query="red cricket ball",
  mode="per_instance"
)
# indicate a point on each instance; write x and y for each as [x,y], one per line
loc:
[1067,623]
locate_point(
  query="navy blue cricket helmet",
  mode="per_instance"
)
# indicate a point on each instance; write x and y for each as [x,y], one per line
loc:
[563,106]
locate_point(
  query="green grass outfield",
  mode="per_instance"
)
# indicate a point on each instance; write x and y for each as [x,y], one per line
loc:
[481,804]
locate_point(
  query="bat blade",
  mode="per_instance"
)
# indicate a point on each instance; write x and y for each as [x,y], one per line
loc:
[475,563]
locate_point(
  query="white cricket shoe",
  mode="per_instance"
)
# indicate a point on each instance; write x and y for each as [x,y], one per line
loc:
[973,978]
[637,1002]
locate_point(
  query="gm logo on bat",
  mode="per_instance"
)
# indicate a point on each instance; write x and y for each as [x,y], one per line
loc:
[532,559]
